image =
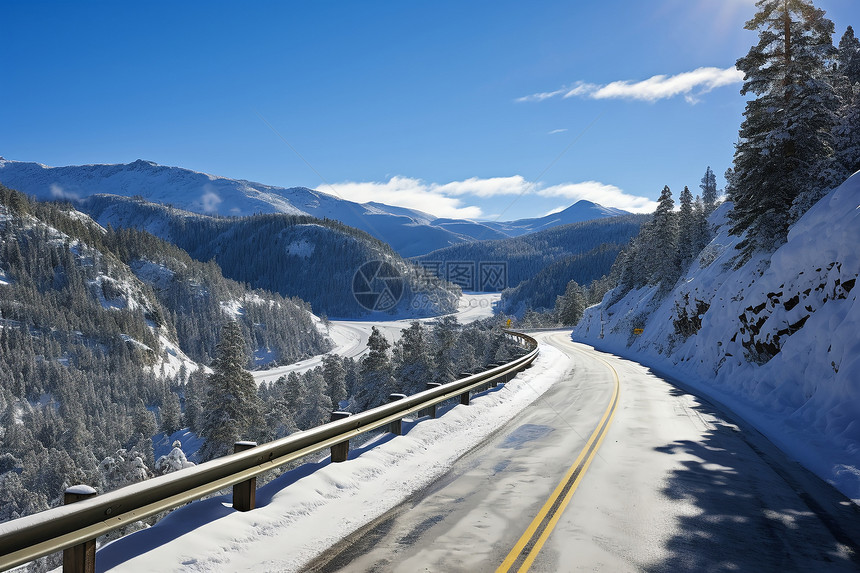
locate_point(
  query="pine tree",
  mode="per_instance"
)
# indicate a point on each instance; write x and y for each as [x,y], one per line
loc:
[173,461]
[171,412]
[709,191]
[232,408]
[570,306]
[701,228]
[786,133]
[335,377]
[318,406]
[293,390]
[413,365]
[664,262]
[847,130]
[375,381]
[444,341]
[847,71]
[687,228]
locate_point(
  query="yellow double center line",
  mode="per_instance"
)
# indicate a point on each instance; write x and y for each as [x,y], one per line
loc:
[527,548]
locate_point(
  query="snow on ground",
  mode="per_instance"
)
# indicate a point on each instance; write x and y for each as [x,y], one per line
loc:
[349,341]
[303,512]
[172,359]
[779,339]
[350,337]
[153,274]
[162,443]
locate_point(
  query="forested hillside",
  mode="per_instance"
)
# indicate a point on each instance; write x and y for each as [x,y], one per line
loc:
[540,292]
[99,331]
[313,259]
[580,251]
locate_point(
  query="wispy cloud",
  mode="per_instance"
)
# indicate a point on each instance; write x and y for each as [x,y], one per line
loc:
[58,192]
[484,188]
[690,85]
[451,199]
[209,200]
[406,192]
[558,209]
[554,131]
[596,192]
[542,96]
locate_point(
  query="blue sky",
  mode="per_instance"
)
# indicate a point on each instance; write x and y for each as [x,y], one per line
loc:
[478,109]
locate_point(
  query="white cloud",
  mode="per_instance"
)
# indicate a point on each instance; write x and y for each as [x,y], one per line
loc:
[210,200]
[558,209]
[596,192]
[484,188]
[406,192]
[541,96]
[449,199]
[554,131]
[690,85]
[59,193]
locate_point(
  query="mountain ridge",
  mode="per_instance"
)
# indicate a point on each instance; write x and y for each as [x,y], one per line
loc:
[409,231]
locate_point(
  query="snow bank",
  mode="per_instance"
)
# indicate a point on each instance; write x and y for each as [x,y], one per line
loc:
[778,340]
[325,502]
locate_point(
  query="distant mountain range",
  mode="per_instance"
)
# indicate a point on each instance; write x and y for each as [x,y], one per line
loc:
[408,231]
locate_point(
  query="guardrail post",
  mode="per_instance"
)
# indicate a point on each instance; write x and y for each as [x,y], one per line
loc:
[464,398]
[495,382]
[340,451]
[431,410]
[80,558]
[245,493]
[396,427]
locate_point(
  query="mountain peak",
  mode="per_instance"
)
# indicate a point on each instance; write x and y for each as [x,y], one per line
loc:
[143,163]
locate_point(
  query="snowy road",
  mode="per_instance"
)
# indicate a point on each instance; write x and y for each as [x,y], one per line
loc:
[675,485]
[350,337]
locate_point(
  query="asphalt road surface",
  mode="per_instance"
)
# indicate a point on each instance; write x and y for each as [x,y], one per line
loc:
[614,469]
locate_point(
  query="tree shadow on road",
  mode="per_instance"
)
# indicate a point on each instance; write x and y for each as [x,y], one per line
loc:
[744,511]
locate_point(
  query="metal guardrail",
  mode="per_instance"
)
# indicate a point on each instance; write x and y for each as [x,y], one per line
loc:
[33,536]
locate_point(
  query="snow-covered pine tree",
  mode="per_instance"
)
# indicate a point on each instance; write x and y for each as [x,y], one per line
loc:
[232,409]
[702,231]
[847,70]
[444,341]
[293,390]
[413,365]
[664,263]
[174,461]
[570,306]
[786,133]
[335,377]
[170,411]
[847,131]
[709,191]
[375,382]
[317,407]
[686,228]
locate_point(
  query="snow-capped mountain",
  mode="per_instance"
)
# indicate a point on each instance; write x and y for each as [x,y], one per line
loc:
[291,255]
[775,339]
[408,231]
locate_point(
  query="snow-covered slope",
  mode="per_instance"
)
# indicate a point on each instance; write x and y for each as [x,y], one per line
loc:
[408,231]
[779,339]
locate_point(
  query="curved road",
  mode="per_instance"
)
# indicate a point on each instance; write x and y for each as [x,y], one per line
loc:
[655,480]
[350,337]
